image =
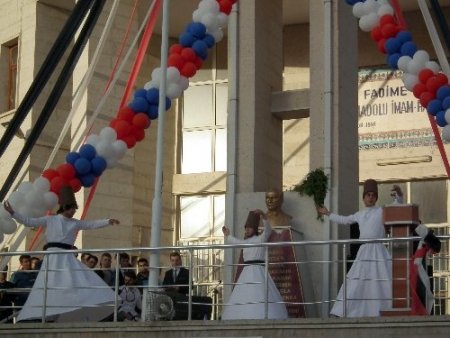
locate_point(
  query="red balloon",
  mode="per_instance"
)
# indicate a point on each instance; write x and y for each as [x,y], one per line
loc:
[433,84]
[387,19]
[375,34]
[425,98]
[123,129]
[66,171]
[418,89]
[75,184]
[126,114]
[198,62]
[141,120]
[225,6]
[442,79]
[188,69]
[57,183]
[175,60]
[425,74]
[175,49]
[381,47]
[113,123]
[138,133]
[130,140]
[188,54]
[389,30]
[50,174]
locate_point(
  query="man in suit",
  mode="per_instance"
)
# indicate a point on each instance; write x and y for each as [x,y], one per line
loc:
[178,276]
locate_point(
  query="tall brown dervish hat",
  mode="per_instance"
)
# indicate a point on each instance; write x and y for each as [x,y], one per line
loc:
[252,221]
[67,196]
[370,185]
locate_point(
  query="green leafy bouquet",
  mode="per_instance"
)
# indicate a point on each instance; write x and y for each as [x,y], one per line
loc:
[315,185]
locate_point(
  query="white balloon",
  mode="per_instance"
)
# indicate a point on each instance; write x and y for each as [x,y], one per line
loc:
[7,226]
[217,34]
[25,187]
[111,163]
[173,75]
[210,21]
[368,22]
[119,148]
[358,10]
[156,74]
[184,83]
[93,139]
[385,9]
[414,67]
[41,184]
[421,56]
[173,91]
[4,213]
[104,149]
[50,199]
[17,199]
[410,81]
[447,116]
[108,134]
[446,133]
[371,7]
[209,6]
[223,19]
[434,66]
[33,198]
[197,15]
[403,62]
[148,85]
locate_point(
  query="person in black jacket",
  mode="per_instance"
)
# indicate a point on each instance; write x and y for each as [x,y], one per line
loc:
[178,276]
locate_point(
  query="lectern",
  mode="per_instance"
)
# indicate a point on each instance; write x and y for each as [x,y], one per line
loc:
[400,220]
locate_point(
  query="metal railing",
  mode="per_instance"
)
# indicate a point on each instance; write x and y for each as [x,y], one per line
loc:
[195,286]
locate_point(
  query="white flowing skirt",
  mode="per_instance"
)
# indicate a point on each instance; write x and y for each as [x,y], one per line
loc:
[369,283]
[74,292]
[247,299]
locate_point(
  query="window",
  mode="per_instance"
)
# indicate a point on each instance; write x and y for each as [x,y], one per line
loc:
[204,122]
[8,71]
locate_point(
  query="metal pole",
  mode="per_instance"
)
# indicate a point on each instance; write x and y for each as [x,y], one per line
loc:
[190,286]
[266,284]
[116,287]
[344,285]
[155,235]
[44,302]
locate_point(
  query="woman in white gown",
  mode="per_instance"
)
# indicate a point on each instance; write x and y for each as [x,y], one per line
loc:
[247,301]
[74,292]
[369,281]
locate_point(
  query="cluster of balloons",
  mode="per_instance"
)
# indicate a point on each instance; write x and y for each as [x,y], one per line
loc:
[103,151]
[421,76]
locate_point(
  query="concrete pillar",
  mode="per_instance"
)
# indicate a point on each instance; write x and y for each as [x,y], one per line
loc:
[259,134]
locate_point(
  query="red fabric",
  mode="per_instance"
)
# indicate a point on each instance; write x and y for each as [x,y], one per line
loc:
[417,306]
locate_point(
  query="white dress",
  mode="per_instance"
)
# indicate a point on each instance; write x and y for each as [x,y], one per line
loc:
[74,292]
[247,301]
[369,281]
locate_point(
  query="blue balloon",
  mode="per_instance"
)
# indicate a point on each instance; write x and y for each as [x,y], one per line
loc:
[446,103]
[197,29]
[168,103]
[186,39]
[404,36]
[87,180]
[98,165]
[152,112]
[408,48]
[82,166]
[352,2]
[88,151]
[392,45]
[393,60]
[139,104]
[434,106]
[440,119]
[140,93]
[443,92]
[201,49]
[209,40]
[153,96]
[72,157]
